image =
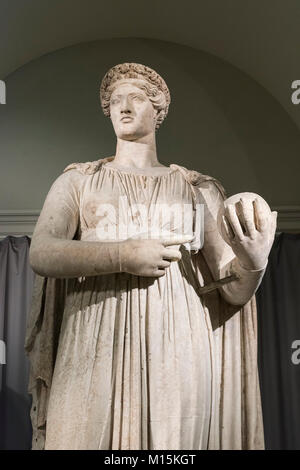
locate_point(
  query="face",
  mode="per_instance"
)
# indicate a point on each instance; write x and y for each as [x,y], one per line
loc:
[131,112]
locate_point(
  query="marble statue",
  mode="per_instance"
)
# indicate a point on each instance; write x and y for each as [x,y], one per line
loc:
[145,338]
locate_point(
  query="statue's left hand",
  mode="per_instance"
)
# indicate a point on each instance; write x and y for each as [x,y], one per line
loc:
[249,226]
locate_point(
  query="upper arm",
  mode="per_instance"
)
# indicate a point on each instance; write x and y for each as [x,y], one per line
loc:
[216,251]
[60,213]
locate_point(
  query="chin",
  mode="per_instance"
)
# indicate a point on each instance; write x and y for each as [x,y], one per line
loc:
[127,135]
[130,134]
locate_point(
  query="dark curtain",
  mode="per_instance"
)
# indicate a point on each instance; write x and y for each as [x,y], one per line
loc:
[16,286]
[278,299]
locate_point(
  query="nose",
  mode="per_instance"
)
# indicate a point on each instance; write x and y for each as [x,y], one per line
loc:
[126,105]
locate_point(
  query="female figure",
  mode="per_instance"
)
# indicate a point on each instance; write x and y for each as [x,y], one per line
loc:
[128,350]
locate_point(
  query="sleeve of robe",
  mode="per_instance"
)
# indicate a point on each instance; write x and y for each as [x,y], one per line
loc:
[47,307]
[45,316]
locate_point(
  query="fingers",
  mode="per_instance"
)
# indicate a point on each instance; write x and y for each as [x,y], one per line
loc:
[274,222]
[171,254]
[177,241]
[234,222]
[228,230]
[163,264]
[159,273]
[261,221]
[247,216]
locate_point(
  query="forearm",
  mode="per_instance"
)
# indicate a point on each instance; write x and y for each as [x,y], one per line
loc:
[62,258]
[240,291]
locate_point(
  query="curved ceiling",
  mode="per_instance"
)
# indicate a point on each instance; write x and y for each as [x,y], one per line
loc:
[260,37]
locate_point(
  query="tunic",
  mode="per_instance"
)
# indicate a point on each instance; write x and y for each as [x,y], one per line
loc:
[133,368]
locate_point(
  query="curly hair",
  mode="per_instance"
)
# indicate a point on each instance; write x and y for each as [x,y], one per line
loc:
[143,77]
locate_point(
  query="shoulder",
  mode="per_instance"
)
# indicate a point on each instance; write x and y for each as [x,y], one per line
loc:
[71,179]
[202,181]
[87,168]
[75,174]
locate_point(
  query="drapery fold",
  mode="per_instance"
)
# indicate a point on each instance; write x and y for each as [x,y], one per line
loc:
[278,326]
[278,301]
[16,283]
[236,417]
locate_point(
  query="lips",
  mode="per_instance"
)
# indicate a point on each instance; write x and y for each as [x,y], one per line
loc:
[126,119]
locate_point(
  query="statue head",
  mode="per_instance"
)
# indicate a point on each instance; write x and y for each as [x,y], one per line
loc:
[136,99]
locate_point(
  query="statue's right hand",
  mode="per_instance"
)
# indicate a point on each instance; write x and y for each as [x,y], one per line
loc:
[149,257]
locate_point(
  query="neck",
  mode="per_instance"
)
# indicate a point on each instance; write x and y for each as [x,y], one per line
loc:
[137,154]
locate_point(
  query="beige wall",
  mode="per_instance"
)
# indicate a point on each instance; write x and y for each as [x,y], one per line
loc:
[220,122]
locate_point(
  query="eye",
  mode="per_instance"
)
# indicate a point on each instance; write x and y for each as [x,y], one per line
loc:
[138,97]
[114,101]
